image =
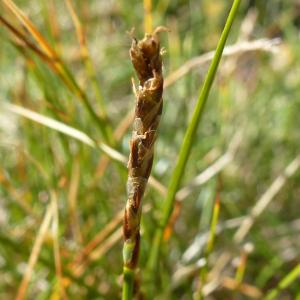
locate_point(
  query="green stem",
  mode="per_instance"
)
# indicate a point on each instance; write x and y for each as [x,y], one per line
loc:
[128,277]
[189,138]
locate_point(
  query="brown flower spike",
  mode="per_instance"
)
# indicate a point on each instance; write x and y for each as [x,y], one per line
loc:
[147,62]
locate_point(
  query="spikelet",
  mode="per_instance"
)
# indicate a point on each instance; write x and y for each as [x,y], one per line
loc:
[147,62]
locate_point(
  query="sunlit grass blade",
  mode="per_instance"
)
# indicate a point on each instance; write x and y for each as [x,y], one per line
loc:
[63,128]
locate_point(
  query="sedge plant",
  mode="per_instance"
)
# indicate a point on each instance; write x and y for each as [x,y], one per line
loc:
[51,82]
[147,62]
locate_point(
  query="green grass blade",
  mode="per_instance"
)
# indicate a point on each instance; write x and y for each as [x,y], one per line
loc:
[189,138]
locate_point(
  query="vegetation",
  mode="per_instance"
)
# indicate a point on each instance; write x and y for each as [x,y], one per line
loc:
[220,213]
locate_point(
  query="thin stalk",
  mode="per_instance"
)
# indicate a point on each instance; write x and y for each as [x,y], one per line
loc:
[128,284]
[188,140]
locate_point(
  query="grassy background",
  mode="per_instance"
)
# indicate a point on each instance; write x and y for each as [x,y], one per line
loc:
[255,94]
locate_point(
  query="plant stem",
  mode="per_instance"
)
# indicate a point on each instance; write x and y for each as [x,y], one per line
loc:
[128,283]
[188,139]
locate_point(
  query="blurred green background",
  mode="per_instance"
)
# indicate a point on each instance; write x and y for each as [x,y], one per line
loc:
[254,104]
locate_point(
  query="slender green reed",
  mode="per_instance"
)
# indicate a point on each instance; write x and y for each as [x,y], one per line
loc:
[189,139]
[128,284]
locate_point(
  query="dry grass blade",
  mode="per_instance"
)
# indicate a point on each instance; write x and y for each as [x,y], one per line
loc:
[51,123]
[210,243]
[239,48]
[35,251]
